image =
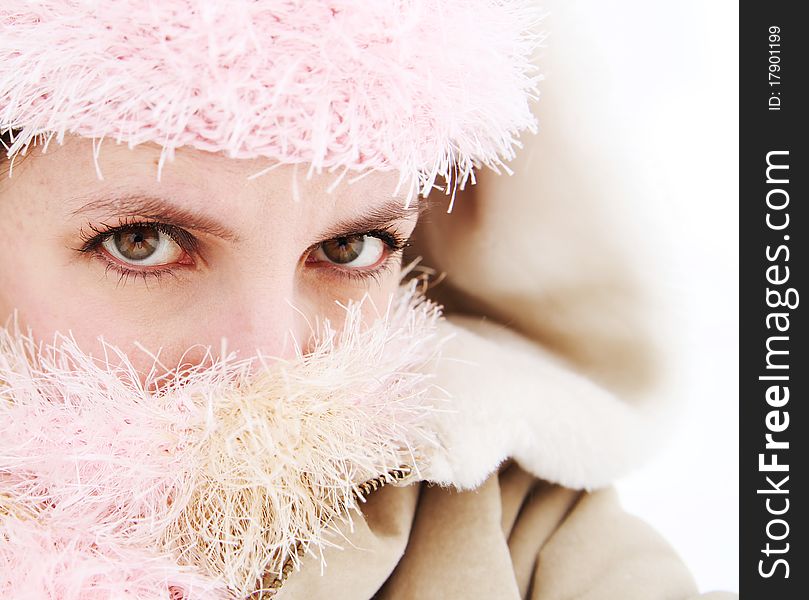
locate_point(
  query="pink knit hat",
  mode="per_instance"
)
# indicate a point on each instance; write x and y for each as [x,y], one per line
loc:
[429,88]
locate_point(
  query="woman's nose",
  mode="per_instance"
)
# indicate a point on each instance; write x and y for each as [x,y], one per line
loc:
[268,317]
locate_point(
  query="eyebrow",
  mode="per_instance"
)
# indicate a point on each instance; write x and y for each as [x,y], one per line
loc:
[155,208]
[378,217]
[162,210]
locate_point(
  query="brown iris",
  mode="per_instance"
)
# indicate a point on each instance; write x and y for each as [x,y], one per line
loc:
[345,249]
[136,243]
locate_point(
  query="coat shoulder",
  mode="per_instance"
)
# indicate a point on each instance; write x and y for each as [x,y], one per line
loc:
[515,537]
[568,543]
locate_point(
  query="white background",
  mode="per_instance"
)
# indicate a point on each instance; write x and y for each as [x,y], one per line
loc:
[674,73]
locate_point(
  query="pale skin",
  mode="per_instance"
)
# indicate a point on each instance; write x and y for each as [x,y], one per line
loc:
[202,255]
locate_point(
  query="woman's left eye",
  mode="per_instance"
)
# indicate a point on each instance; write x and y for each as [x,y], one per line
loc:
[351,252]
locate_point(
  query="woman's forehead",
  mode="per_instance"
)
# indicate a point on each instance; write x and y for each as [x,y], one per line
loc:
[102,179]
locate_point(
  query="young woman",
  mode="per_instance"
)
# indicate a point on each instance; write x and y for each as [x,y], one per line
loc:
[218,376]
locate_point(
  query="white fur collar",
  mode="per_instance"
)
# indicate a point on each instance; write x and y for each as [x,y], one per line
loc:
[511,398]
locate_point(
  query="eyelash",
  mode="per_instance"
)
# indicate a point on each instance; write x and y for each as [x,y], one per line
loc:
[92,242]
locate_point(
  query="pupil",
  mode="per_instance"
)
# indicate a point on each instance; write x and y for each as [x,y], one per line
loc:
[137,243]
[344,250]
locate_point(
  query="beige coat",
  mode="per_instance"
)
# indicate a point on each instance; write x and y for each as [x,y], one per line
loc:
[514,537]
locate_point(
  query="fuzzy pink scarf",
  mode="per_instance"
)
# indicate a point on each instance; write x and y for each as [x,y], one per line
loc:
[204,486]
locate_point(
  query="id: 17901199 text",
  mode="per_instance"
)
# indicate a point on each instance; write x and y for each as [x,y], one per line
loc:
[774,68]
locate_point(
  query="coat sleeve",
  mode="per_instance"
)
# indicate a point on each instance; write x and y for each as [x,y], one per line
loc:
[572,544]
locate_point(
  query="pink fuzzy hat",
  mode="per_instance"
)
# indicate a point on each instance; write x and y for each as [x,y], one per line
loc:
[429,88]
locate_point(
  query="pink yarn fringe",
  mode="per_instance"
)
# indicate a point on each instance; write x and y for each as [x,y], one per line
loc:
[111,488]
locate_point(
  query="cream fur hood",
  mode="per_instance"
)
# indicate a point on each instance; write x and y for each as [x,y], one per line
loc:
[564,345]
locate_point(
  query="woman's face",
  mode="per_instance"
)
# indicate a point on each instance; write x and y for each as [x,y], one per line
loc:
[202,254]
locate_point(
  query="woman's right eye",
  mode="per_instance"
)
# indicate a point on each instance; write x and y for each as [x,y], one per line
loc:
[143,246]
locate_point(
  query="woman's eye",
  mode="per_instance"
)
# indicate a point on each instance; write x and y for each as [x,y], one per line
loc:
[143,246]
[354,251]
